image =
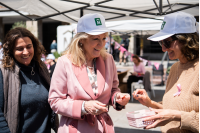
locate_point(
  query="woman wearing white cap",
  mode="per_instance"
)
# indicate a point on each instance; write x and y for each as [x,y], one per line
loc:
[179,111]
[85,81]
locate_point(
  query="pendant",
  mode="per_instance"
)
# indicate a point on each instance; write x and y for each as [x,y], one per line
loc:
[32,72]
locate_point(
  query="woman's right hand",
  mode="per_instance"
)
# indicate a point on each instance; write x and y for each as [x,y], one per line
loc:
[135,74]
[95,107]
[142,96]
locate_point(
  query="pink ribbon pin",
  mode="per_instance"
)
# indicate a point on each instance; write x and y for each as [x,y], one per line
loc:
[179,90]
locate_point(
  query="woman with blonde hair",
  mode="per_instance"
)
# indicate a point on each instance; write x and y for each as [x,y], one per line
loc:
[85,81]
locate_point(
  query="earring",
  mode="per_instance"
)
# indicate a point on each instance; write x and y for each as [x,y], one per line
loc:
[81,44]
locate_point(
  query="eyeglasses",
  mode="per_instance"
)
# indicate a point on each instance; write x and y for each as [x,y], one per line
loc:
[166,43]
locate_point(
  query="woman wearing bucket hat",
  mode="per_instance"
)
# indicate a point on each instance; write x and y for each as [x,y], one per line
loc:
[85,81]
[179,111]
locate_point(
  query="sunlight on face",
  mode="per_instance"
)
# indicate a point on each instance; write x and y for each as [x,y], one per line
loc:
[23,51]
[174,51]
[93,45]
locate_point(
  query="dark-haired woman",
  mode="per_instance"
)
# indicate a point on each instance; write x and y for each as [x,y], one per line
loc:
[138,72]
[24,86]
[179,111]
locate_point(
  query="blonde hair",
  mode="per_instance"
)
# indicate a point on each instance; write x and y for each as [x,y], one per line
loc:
[75,52]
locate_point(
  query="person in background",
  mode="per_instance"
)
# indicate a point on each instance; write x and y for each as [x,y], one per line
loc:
[125,43]
[53,47]
[51,64]
[107,45]
[138,72]
[179,110]
[123,48]
[1,53]
[44,53]
[117,52]
[24,86]
[43,58]
[122,55]
[85,81]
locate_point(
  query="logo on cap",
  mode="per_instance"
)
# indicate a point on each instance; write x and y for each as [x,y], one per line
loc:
[163,25]
[98,21]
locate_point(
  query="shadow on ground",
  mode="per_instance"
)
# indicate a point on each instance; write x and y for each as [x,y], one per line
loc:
[158,96]
[125,130]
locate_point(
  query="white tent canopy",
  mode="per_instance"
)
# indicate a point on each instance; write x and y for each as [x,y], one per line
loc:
[64,32]
[113,10]
[135,25]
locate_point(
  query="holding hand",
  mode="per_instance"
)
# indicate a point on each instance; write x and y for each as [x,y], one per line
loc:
[162,117]
[122,98]
[142,96]
[135,74]
[95,107]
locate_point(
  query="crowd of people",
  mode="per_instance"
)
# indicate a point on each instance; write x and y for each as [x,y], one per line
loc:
[83,83]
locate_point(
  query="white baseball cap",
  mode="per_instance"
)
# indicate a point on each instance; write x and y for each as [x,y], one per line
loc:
[175,23]
[50,56]
[93,24]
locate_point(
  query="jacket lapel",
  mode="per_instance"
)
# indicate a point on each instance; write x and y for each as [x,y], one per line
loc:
[100,65]
[82,77]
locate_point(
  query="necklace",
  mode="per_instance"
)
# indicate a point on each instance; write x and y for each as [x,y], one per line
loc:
[32,72]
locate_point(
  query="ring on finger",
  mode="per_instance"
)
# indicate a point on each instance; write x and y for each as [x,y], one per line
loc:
[97,110]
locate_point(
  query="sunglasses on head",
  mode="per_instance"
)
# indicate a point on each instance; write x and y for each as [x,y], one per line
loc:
[167,43]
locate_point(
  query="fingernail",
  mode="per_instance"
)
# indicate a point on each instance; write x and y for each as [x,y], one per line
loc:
[136,95]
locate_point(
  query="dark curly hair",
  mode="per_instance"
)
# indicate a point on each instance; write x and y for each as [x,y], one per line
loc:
[190,42]
[9,44]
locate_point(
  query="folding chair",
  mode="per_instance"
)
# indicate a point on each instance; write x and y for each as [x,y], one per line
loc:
[141,85]
[158,72]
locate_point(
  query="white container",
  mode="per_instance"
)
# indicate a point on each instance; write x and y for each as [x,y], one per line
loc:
[136,118]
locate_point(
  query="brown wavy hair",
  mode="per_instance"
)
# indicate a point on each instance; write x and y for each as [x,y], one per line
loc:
[9,44]
[190,42]
[136,57]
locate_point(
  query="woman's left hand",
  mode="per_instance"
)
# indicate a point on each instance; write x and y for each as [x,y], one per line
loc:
[122,98]
[162,117]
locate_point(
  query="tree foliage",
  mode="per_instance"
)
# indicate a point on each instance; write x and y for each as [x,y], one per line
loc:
[19,24]
[117,38]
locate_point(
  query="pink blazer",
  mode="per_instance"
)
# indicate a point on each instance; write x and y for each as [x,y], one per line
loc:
[70,86]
